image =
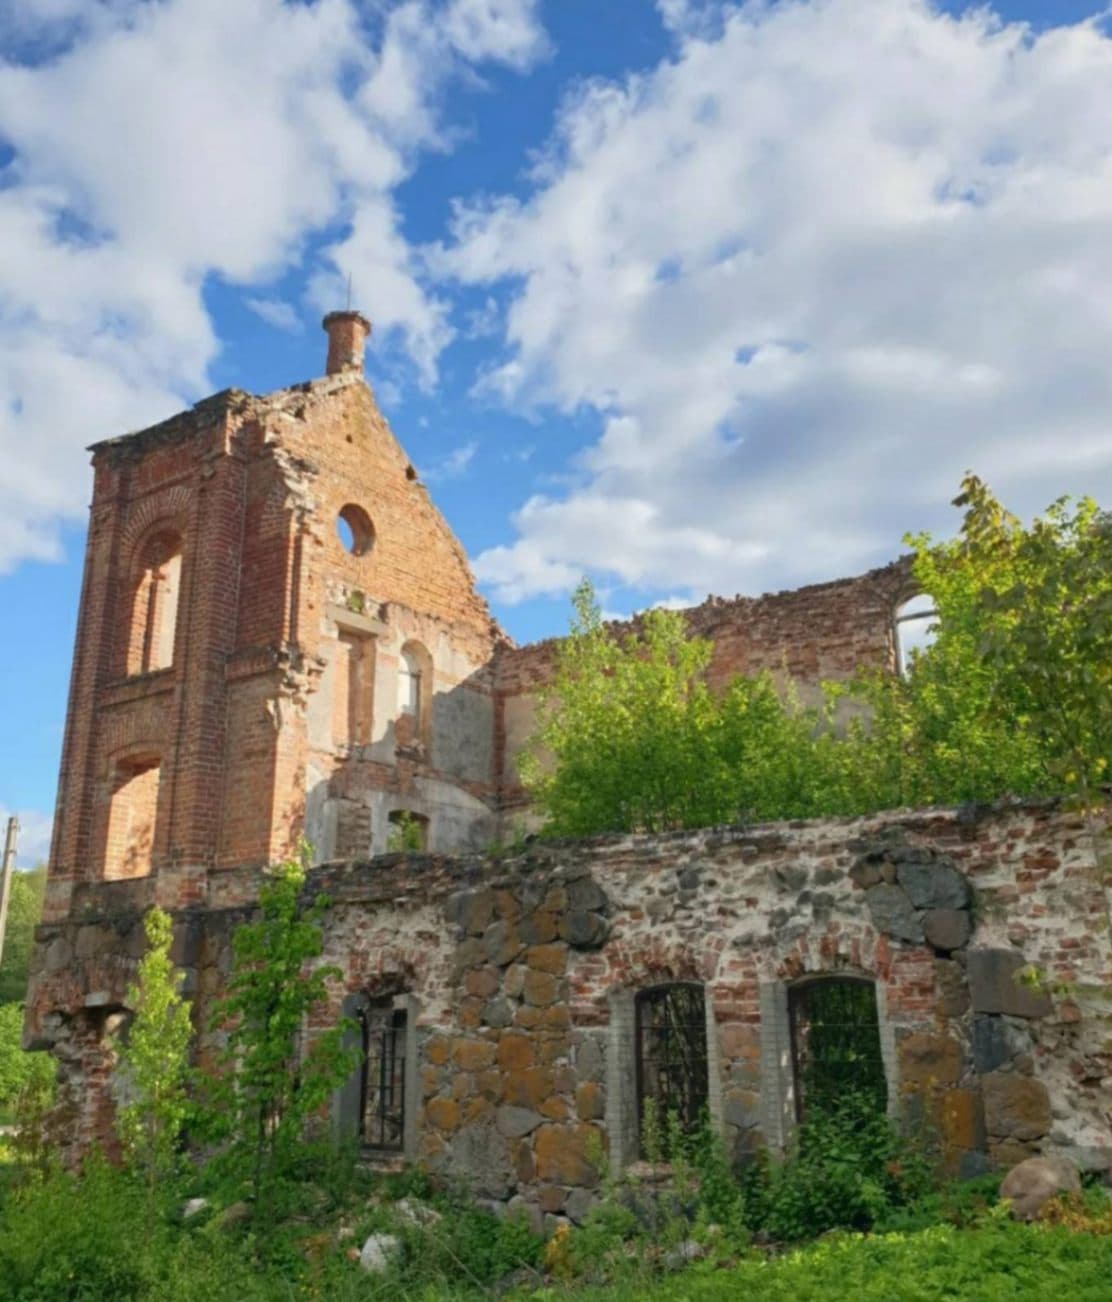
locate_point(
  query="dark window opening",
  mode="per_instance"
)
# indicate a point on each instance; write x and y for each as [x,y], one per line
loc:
[382,1089]
[672,1078]
[836,1055]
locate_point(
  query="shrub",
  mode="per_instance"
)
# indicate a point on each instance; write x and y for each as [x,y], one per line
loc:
[70,1237]
[272,1085]
[999,1260]
[19,1070]
[849,1167]
[155,1059]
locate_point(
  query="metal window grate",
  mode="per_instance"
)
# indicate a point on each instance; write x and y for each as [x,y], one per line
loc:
[382,1116]
[671,1031]
[835,1037]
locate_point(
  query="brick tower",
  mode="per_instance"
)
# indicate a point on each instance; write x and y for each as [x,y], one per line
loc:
[272,615]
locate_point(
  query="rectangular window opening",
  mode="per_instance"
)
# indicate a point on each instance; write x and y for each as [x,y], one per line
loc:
[836,1051]
[671,1050]
[382,1111]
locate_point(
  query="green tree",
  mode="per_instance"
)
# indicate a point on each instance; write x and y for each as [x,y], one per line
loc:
[272,1084]
[155,1058]
[19,1070]
[631,737]
[1013,697]
[1044,620]
[24,911]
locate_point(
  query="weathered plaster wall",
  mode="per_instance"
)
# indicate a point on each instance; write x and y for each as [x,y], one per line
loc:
[523,972]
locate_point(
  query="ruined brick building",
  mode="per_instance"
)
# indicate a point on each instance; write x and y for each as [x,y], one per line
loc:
[279,636]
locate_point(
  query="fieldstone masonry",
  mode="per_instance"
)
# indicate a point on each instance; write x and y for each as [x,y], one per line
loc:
[521,974]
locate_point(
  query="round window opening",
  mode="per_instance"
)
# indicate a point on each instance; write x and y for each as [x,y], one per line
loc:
[354,529]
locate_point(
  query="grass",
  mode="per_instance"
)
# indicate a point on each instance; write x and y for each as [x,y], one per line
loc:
[1000,1260]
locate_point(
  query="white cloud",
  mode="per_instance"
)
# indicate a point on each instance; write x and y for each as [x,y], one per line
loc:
[277,313]
[159,145]
[453,464]
[808,270]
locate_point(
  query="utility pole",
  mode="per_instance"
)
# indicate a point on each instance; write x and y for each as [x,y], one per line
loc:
[6,871]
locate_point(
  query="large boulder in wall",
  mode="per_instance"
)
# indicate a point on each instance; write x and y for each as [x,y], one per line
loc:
[1033,1183]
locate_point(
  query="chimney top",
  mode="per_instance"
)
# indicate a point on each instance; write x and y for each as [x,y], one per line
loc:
[347,337]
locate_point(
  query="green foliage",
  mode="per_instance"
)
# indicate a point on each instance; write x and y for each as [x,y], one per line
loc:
[631,736]
[1044,618]
[849,1167]
[24,911]
[271,1084]
[19,1071]
[88,1238]
[26,1097]
[155,1059]
[962,1203]
[406,834]
[1013,697]
[998,1261]
[473,1245]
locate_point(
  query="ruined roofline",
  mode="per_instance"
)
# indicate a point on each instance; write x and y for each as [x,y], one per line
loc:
[704,616]
[185,423]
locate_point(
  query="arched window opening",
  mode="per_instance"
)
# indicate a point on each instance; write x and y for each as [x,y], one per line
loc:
[410,676]
[154,609]
[414,722]
[916,628]
[382,1080]
[836,1052]
[409,832]
[132,816]
[671,1052]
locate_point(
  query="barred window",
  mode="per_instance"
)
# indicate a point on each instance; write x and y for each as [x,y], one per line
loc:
[835,1037]
[671,1049]
[382,1089]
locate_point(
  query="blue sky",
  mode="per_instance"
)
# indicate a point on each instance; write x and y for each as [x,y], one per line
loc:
[692,296]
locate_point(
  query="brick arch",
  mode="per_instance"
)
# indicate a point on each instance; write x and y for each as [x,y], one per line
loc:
[133,748]
[657,959]
[170,506]
[846,953]
[381,967]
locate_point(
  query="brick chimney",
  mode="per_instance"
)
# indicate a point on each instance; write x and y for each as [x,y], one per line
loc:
[347,337]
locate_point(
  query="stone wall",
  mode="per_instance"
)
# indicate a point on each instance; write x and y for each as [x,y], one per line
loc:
[522,973]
